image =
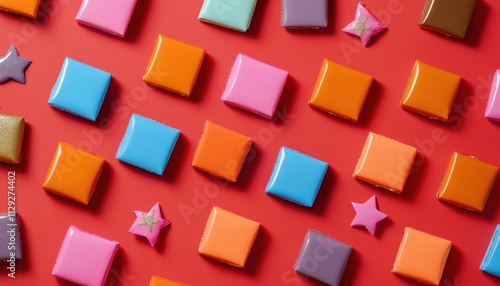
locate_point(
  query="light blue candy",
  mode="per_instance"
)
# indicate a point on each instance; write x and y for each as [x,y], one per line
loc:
[491,260]
[233,14]
[147,144]
[296,177]
[80,89]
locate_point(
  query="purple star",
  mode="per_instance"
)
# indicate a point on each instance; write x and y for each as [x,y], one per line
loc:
[12,66]
[149,224]
[367,215]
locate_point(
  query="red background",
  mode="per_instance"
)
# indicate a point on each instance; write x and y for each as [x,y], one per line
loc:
[123,188]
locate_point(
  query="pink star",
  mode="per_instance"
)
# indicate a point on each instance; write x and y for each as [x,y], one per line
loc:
[367,215]
[365,25]
[149,224]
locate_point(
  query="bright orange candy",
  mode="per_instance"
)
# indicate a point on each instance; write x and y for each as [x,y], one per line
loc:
[422,256]
[73,173]
[228,237]
[26,8]
[174,65]
[221,151]
[430,91]
[467,182]
[385,162]
[159,281]
[340,90]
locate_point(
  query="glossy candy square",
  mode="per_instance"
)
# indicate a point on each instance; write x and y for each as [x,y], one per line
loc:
[296,177]
[304,14]
[73,173]
[11,138]
[448,17]
[110,16]
[467,182]
[323,258]
[340,90]
[228,237]
[385,162]
[159,281]
[493,107]
[174,65]
[147,144]
[27,8]
[84,258]
[430,91]
[421,256]
[491,260]
[10,238]
[221,151]
[254,86]
[80,89]
[231,14]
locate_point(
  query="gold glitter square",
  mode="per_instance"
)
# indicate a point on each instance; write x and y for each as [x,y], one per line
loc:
[11,138]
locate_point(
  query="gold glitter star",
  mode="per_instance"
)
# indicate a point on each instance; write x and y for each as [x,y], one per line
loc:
[360,26]
[147,219]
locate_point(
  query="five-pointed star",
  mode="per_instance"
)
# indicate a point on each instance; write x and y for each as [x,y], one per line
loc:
[367,214]
[360,26]
[149,224]
[12,66]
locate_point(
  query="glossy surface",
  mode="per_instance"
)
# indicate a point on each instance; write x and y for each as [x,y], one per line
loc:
[159,281]
[385,162]
[80,89]
[11,138]
[27,8]
[12,66]
[254,86]
[367,215]
[149,224]
[73,173]
[365,25]
[10,238]
[231,14]
[448,17]
[221,151]
[110,16]
[174,65]
[147,144]
[304,14]
[228,237]
[296,177]
[84,258]
[493,107]
[323,258]
[421,256]
[491,260]
[340,90]
[430,91]
[467,182]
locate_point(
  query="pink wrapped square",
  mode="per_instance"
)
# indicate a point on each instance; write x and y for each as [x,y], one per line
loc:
[110,16]
[493,107]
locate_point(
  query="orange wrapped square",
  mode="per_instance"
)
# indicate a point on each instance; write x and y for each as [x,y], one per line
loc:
[421,256]
[26,8]
[430,91]
[228,237]
[385,162]
[174,65]
[73,173]
[159,281]
[221,152]
[340,90]
[467,182]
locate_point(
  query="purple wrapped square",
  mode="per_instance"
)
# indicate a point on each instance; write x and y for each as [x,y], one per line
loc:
[304,14]
[10,237]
